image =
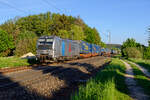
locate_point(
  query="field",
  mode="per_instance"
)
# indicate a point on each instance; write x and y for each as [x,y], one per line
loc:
[12,62]
[108,84]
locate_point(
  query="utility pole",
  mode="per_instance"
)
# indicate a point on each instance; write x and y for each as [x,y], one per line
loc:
[109,36]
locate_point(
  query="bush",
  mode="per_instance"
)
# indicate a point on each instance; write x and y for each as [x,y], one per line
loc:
[26,43]
[147,53]
[6,43]
[130,42]
[132,52]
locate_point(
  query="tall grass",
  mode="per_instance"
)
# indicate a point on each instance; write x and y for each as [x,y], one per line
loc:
[109,84]
[12,62]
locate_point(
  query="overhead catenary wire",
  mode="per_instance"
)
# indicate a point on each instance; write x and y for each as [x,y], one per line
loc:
[12,6]
[51,4]
[63,9]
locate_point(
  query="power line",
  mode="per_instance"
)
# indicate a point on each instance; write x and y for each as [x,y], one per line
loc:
[62,9]
[52,5]
[11,6]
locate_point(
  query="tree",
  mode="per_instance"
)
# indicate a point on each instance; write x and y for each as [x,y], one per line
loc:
[130,42]
[6,43]
[97,37]
[26,43]
[48,24]
[63,34]
[102,44]
[76,33]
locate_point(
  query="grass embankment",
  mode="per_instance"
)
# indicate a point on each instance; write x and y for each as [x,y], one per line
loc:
[141,79]
[142,62]
[12,62]
[108,84]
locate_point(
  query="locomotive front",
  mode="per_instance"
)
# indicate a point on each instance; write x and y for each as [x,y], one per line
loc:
[45,48]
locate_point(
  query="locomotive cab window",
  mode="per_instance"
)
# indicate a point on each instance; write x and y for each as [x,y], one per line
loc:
[49,41]
[41,41]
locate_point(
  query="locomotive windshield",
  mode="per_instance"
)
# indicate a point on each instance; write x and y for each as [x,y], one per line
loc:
[45,43]
[49,40]
[41,40]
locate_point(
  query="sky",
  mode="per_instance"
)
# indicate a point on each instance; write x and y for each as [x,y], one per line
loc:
[122,18]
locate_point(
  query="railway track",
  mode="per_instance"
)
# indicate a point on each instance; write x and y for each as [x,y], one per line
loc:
[39,66]
[41,82]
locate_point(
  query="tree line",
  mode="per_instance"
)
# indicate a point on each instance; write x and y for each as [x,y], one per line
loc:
[133,49]
[18,36]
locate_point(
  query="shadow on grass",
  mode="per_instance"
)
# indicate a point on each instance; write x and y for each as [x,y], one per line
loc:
[147,66]
[143,64]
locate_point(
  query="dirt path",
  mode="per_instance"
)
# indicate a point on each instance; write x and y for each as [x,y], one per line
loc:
[136,92]
[142,69]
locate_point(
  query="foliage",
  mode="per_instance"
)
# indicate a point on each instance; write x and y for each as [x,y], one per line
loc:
[128,43]
[131,48]
[26,42]
[92,36]
[77,33]
[132,52]
[102,44]
[106,85]
[50,24]
[11,28]
[147,53]
[6,43]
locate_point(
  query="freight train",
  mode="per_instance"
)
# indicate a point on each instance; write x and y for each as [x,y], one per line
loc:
[54,48]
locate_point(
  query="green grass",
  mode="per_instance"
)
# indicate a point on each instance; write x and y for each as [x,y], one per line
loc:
[141,79]
[109,84]
[12,62]
[142,62]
